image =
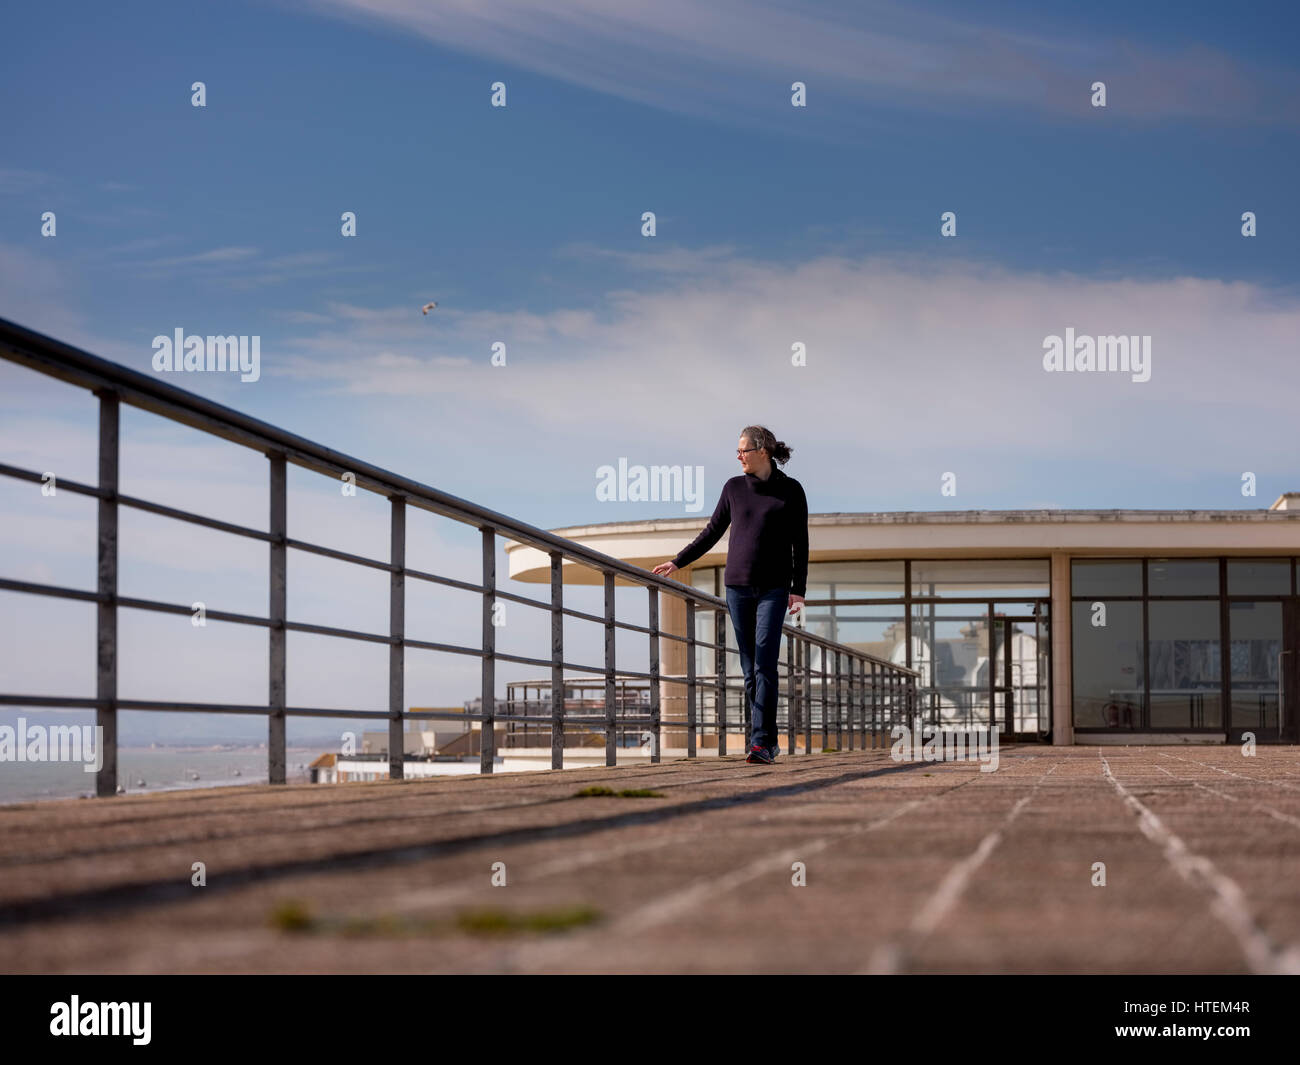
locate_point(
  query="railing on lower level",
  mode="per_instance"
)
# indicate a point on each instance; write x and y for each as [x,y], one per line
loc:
[843,708]
[858,693]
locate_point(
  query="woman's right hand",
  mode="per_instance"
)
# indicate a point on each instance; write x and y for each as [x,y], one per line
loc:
[664,568]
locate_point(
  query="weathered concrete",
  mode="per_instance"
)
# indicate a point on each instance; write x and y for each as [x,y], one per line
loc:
[911,867]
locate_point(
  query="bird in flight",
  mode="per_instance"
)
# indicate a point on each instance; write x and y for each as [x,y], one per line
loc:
[427,308]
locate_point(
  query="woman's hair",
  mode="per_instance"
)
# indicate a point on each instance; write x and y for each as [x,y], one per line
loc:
[761,436]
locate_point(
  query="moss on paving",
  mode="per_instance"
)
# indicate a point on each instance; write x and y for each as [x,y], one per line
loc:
[296,917]
[496,921]
[626,793]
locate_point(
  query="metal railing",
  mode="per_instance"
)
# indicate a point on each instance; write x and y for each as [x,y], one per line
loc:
[861,694]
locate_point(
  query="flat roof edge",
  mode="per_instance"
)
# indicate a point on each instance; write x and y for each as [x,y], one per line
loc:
[958,517]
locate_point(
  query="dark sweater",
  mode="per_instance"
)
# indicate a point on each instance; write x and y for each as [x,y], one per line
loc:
[769,543]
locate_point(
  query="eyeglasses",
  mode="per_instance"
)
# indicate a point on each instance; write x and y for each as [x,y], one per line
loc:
[741,452]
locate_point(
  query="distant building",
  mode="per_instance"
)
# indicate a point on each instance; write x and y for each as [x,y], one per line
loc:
[323,770]
[1069,626]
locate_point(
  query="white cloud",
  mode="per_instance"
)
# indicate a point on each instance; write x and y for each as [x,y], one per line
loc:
[735,59]
[932,358]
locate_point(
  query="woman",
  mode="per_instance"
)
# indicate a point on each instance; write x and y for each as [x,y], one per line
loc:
[767,570]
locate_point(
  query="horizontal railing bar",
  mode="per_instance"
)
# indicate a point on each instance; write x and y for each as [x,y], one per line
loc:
[452,582]
[177,608]
[60,484]
[574,613]
[194,519]
[783,667]
[330,630]
[158,705]
[501,593]
[136,503]
[449,648]
[342,556]
[54,591]
[578,719]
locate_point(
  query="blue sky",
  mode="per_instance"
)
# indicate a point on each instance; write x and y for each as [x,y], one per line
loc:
[520,220]
[776,225]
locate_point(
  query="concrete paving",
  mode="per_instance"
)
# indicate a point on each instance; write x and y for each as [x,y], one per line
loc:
[917,867]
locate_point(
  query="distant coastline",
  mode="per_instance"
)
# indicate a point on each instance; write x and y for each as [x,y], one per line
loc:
[148,768]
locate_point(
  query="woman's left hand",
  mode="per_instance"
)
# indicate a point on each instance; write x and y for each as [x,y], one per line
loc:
[796,604]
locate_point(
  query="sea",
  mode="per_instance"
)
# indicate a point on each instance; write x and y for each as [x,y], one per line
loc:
[152,768]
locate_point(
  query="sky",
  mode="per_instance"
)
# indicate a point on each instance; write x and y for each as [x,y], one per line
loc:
[775,226]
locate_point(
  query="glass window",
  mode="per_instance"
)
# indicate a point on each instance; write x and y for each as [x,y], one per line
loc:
[1180,576]
[877,631]
[855,580]
[1259,576]
[705,579]
[1184,653]
[1255,630]
[1108,667]
[1103,577]
[950,649]
[998,578]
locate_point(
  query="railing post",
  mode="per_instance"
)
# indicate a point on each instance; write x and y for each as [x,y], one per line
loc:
[611,719]
[853,717]
[886,685]
[106,610]
[690,679]
[279,531]
[720,666]
[839,701]
[557,662]
[874,713]
[889,706]
[397,649]
[789,692]
[862,702]
[893,700]
[487,700]
[826,736]
[807,696]
[655,737]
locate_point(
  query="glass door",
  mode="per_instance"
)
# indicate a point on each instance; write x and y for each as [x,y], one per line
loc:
[1262,670]
[1289,674]
[1019,675]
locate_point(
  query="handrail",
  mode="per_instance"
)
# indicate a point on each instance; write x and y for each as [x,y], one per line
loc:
[116,384]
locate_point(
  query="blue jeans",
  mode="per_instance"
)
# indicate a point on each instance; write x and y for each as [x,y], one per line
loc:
[757,615]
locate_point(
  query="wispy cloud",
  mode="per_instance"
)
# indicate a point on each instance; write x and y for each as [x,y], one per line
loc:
[243,267]
[737,58]
[213,255]
[14,182]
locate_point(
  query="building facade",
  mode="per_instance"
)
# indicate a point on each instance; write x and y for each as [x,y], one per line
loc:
[1062,626]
